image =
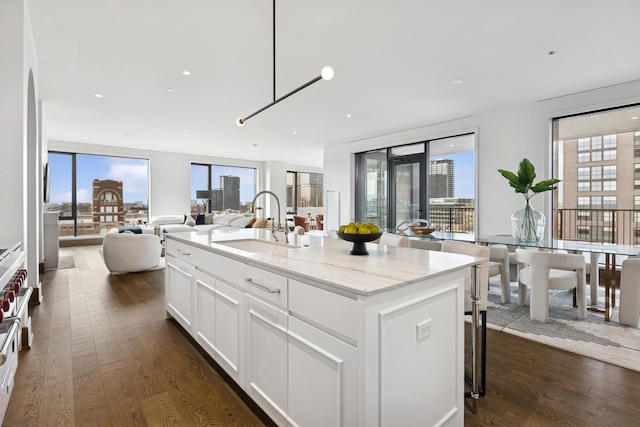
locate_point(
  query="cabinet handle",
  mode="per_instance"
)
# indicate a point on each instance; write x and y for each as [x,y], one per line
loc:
[9,340]
[181,252]
[261,287]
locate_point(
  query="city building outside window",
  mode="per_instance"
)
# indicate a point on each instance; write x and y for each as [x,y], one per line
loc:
[107,192]
[305,193]
[231,188]
[600,176]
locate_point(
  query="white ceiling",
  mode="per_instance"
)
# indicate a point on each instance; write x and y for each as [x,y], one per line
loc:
[394,61]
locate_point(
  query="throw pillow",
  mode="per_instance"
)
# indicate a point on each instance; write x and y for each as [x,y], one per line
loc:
[260,223]
[208,218]
[189,220]
[200,219]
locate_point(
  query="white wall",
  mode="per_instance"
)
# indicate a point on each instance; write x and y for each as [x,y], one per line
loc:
[20,191]
[504,138]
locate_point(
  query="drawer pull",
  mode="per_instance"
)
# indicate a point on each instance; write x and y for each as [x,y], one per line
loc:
[181,252]
[261,287]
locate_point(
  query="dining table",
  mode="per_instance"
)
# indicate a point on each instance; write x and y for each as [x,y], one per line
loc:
[594,249]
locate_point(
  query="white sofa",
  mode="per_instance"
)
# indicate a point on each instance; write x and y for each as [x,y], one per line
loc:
[177,223]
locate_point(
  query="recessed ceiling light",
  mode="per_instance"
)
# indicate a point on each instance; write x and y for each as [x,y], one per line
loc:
[551,52]
[457,82]
[321,124]
[255,147]
[98,95]
[295,132]
[634,118]
[85,137]
[348,115]
[186,135]
[186,72]
[169,89]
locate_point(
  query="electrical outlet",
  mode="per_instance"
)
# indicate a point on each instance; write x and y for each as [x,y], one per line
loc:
[423,330]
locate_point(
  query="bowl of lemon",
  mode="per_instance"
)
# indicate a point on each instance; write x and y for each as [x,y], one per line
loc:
[359,234]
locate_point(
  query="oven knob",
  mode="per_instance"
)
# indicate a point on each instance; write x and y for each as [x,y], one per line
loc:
[4,304]
[10,295]
[23,273]
[16,287]
[1,316]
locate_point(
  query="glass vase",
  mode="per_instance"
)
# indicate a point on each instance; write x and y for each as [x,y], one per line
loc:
[527,224]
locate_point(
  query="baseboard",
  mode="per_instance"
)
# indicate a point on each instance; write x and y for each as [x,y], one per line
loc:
[80,241]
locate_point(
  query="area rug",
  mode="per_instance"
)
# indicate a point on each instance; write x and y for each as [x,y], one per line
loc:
[592,337]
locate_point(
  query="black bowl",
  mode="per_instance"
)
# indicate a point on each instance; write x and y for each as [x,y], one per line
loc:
[359,241]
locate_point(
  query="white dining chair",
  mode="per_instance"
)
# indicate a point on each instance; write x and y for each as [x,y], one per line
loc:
[499,266]
[391,239]
[430,245]
[630,292]
[550,270]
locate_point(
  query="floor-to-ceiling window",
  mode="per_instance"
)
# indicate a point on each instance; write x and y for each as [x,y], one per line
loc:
[597,157]
[304,193]
[372,187]
[452,183]
[432,180]
[94,193]
[231,188]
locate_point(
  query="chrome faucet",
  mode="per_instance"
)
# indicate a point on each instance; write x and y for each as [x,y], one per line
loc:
[273,231]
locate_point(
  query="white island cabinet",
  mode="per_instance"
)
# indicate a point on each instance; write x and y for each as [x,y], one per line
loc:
[317,337]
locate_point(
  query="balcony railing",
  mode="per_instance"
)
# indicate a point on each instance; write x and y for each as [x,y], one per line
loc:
[619,226]
[452,219]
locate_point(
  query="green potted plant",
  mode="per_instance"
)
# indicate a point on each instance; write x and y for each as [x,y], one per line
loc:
[527,224]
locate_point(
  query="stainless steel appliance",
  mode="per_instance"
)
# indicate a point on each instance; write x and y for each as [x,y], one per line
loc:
[15,321]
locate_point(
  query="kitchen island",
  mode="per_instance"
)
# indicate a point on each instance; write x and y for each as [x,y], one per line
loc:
[318,337]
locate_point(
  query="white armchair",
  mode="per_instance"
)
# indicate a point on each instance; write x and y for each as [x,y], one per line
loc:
[550,270]
[128,252]
[630,292]
[499,266]
[430,245]
[391,239]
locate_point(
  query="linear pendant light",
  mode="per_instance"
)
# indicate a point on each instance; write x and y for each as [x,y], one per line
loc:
[325,74]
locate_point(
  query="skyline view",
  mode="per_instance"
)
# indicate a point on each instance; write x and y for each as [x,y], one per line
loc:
[134,174]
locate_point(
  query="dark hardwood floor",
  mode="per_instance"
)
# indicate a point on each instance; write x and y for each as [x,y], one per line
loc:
[104,355]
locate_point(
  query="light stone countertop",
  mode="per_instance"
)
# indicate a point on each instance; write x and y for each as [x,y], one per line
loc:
[324,260]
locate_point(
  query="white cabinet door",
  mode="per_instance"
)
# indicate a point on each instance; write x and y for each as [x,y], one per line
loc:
[322,378]
[266,357]
[229,327]
[179,291]
[205,314]
[219,323]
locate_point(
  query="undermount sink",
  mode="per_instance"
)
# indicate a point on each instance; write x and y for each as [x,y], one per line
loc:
[257,246]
